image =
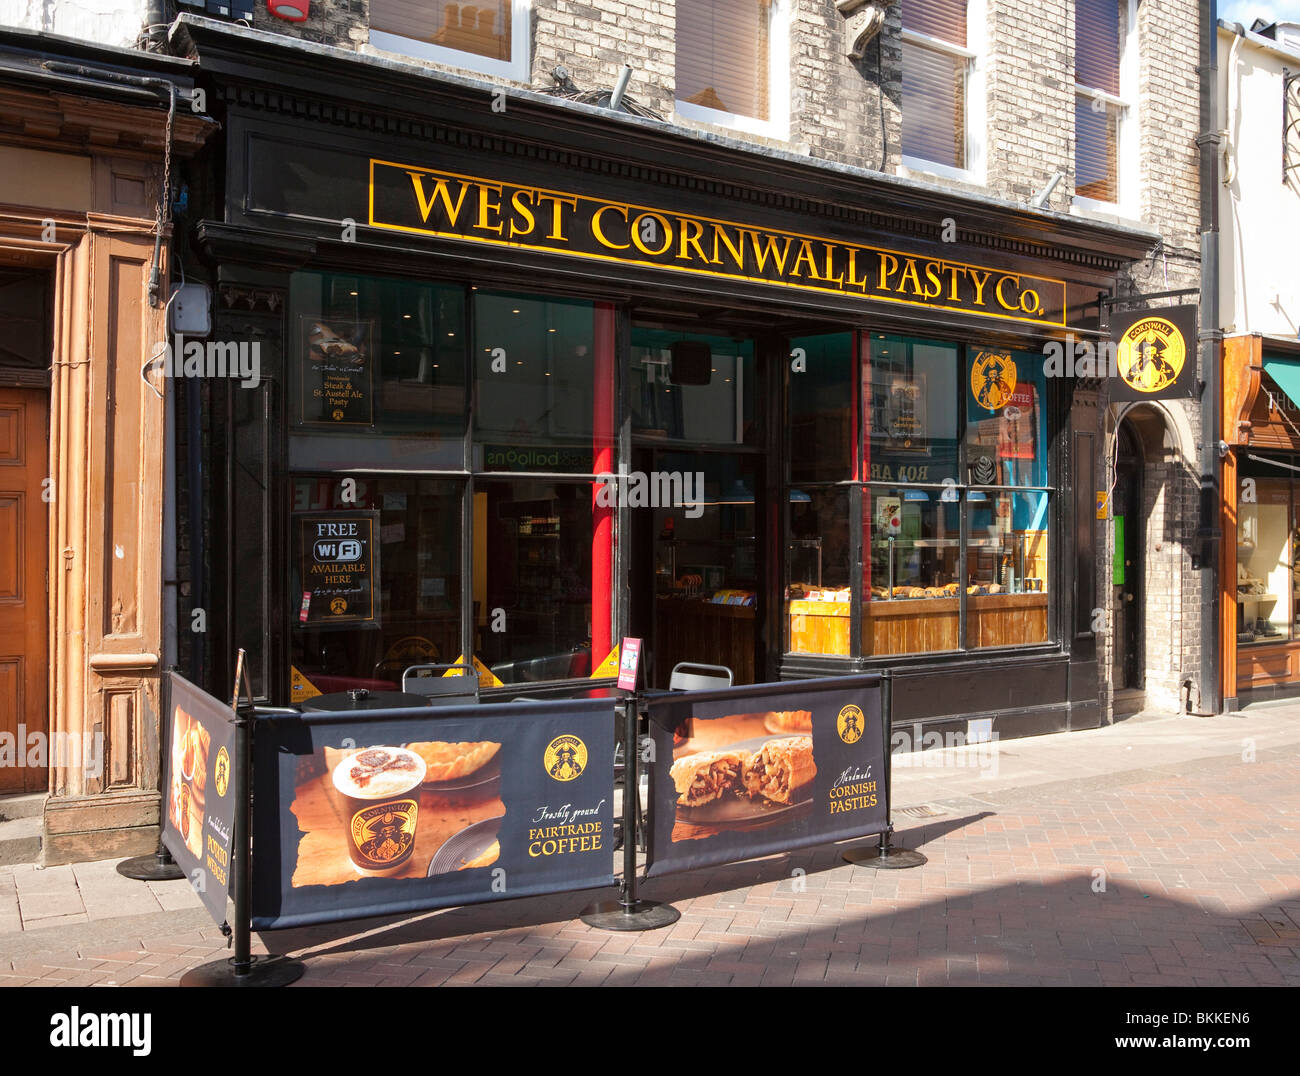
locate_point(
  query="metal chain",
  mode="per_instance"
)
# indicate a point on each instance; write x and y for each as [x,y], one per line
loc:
[164,197]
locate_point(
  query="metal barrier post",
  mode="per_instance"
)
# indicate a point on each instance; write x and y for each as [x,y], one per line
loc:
[885,856]
[629,912]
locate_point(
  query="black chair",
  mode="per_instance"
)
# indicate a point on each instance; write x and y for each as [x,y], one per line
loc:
[702,679]
[442,690]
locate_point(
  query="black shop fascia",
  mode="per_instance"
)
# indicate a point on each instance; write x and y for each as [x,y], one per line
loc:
[583,375]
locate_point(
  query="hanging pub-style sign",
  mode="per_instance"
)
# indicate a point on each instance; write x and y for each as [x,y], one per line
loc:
[1154,353]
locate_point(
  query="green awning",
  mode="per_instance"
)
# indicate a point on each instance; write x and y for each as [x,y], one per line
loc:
[1286,372]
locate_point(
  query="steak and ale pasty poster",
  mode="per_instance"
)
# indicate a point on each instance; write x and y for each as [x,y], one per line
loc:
[430,808]
[758,773]
[199,816]
[335,373]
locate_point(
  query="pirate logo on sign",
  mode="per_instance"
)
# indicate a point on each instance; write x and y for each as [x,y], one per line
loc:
[1151,355]
[339,606]
[993,379]
[565,758]
[850,723]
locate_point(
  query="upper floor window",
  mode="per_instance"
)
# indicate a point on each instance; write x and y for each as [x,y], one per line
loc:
[733,64]
[1103,103]
[487,36]
[943,94]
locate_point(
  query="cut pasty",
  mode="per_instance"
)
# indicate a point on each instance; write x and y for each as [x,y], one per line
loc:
[788,721]
[704,777]
[449,761]
[780,769]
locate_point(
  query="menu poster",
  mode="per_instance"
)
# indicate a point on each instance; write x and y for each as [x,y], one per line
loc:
[426,809]
[338,561]
[752,772]
[899,419]
[336,372]
[200,804]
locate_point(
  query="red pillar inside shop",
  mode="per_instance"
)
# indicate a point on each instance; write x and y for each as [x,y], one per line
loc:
[602,453]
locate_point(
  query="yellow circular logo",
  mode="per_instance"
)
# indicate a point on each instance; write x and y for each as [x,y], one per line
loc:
[1151,354]
[339,606]
[565,758]
[993,379]
[221,775]
[851,724]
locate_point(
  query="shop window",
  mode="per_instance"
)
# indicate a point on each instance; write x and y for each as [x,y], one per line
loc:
[942,108]
[1007,568]
[1104,78]
[534,375]
[376,373]
[533,583]
[909,399]
[711,404]
[487,36]
[375,578]
[821,408]
[818,598]
[733,64]
[1006,418]
[1266,558]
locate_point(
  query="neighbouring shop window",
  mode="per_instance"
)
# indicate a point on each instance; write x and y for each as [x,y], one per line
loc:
[376,373]
[821,408]
[1266,562]
[534,395]
[818,597]
[533,580]
[712,404]
[375,578]
[487,36]
[732,62]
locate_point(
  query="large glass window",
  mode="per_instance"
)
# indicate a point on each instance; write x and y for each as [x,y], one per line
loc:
[1266,554]
[376,373]
[673,395]
[818,554]
[533,384]
[375,578]
[821,408]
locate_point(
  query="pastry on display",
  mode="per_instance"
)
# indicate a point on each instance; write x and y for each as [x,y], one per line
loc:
[788,721]
[704,777]
[451,761]
[780,768]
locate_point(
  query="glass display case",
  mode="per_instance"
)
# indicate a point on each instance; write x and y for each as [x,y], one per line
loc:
[1265,566]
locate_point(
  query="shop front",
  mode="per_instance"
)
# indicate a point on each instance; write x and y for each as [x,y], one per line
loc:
[1261,519]
[536,380]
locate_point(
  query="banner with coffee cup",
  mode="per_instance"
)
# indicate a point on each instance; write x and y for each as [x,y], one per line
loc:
[405,810]
[199,801]
[745,772]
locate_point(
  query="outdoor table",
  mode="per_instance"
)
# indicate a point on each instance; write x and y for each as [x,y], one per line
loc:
[363,699]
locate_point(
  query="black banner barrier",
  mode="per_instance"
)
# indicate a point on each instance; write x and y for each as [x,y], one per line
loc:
[406,810]
[749,771]
[199,791]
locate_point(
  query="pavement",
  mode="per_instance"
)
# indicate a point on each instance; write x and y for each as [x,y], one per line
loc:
[1156,852]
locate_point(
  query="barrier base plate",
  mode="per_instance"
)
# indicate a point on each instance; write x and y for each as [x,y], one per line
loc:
[151,868]
[643,915]
[265,971]
[898,858]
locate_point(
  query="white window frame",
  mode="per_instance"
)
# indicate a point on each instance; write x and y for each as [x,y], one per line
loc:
[778,88]
[516,69]
[1126,147]
[976,118]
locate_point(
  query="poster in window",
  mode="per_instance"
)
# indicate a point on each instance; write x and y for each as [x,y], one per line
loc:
[1001,421]
[336,372]
[338,559]
[899,420]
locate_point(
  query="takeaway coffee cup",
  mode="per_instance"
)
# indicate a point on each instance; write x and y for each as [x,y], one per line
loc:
[380,787]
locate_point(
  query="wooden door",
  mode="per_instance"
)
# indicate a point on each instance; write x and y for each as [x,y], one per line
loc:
[24,663]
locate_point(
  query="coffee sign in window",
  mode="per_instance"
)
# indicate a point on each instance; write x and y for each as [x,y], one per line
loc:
[336,567]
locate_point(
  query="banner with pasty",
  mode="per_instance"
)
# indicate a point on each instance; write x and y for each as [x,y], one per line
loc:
[199,808]
[405,810]
[745,772]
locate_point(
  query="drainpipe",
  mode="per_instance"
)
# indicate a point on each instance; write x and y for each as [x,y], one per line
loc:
[1211,339]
